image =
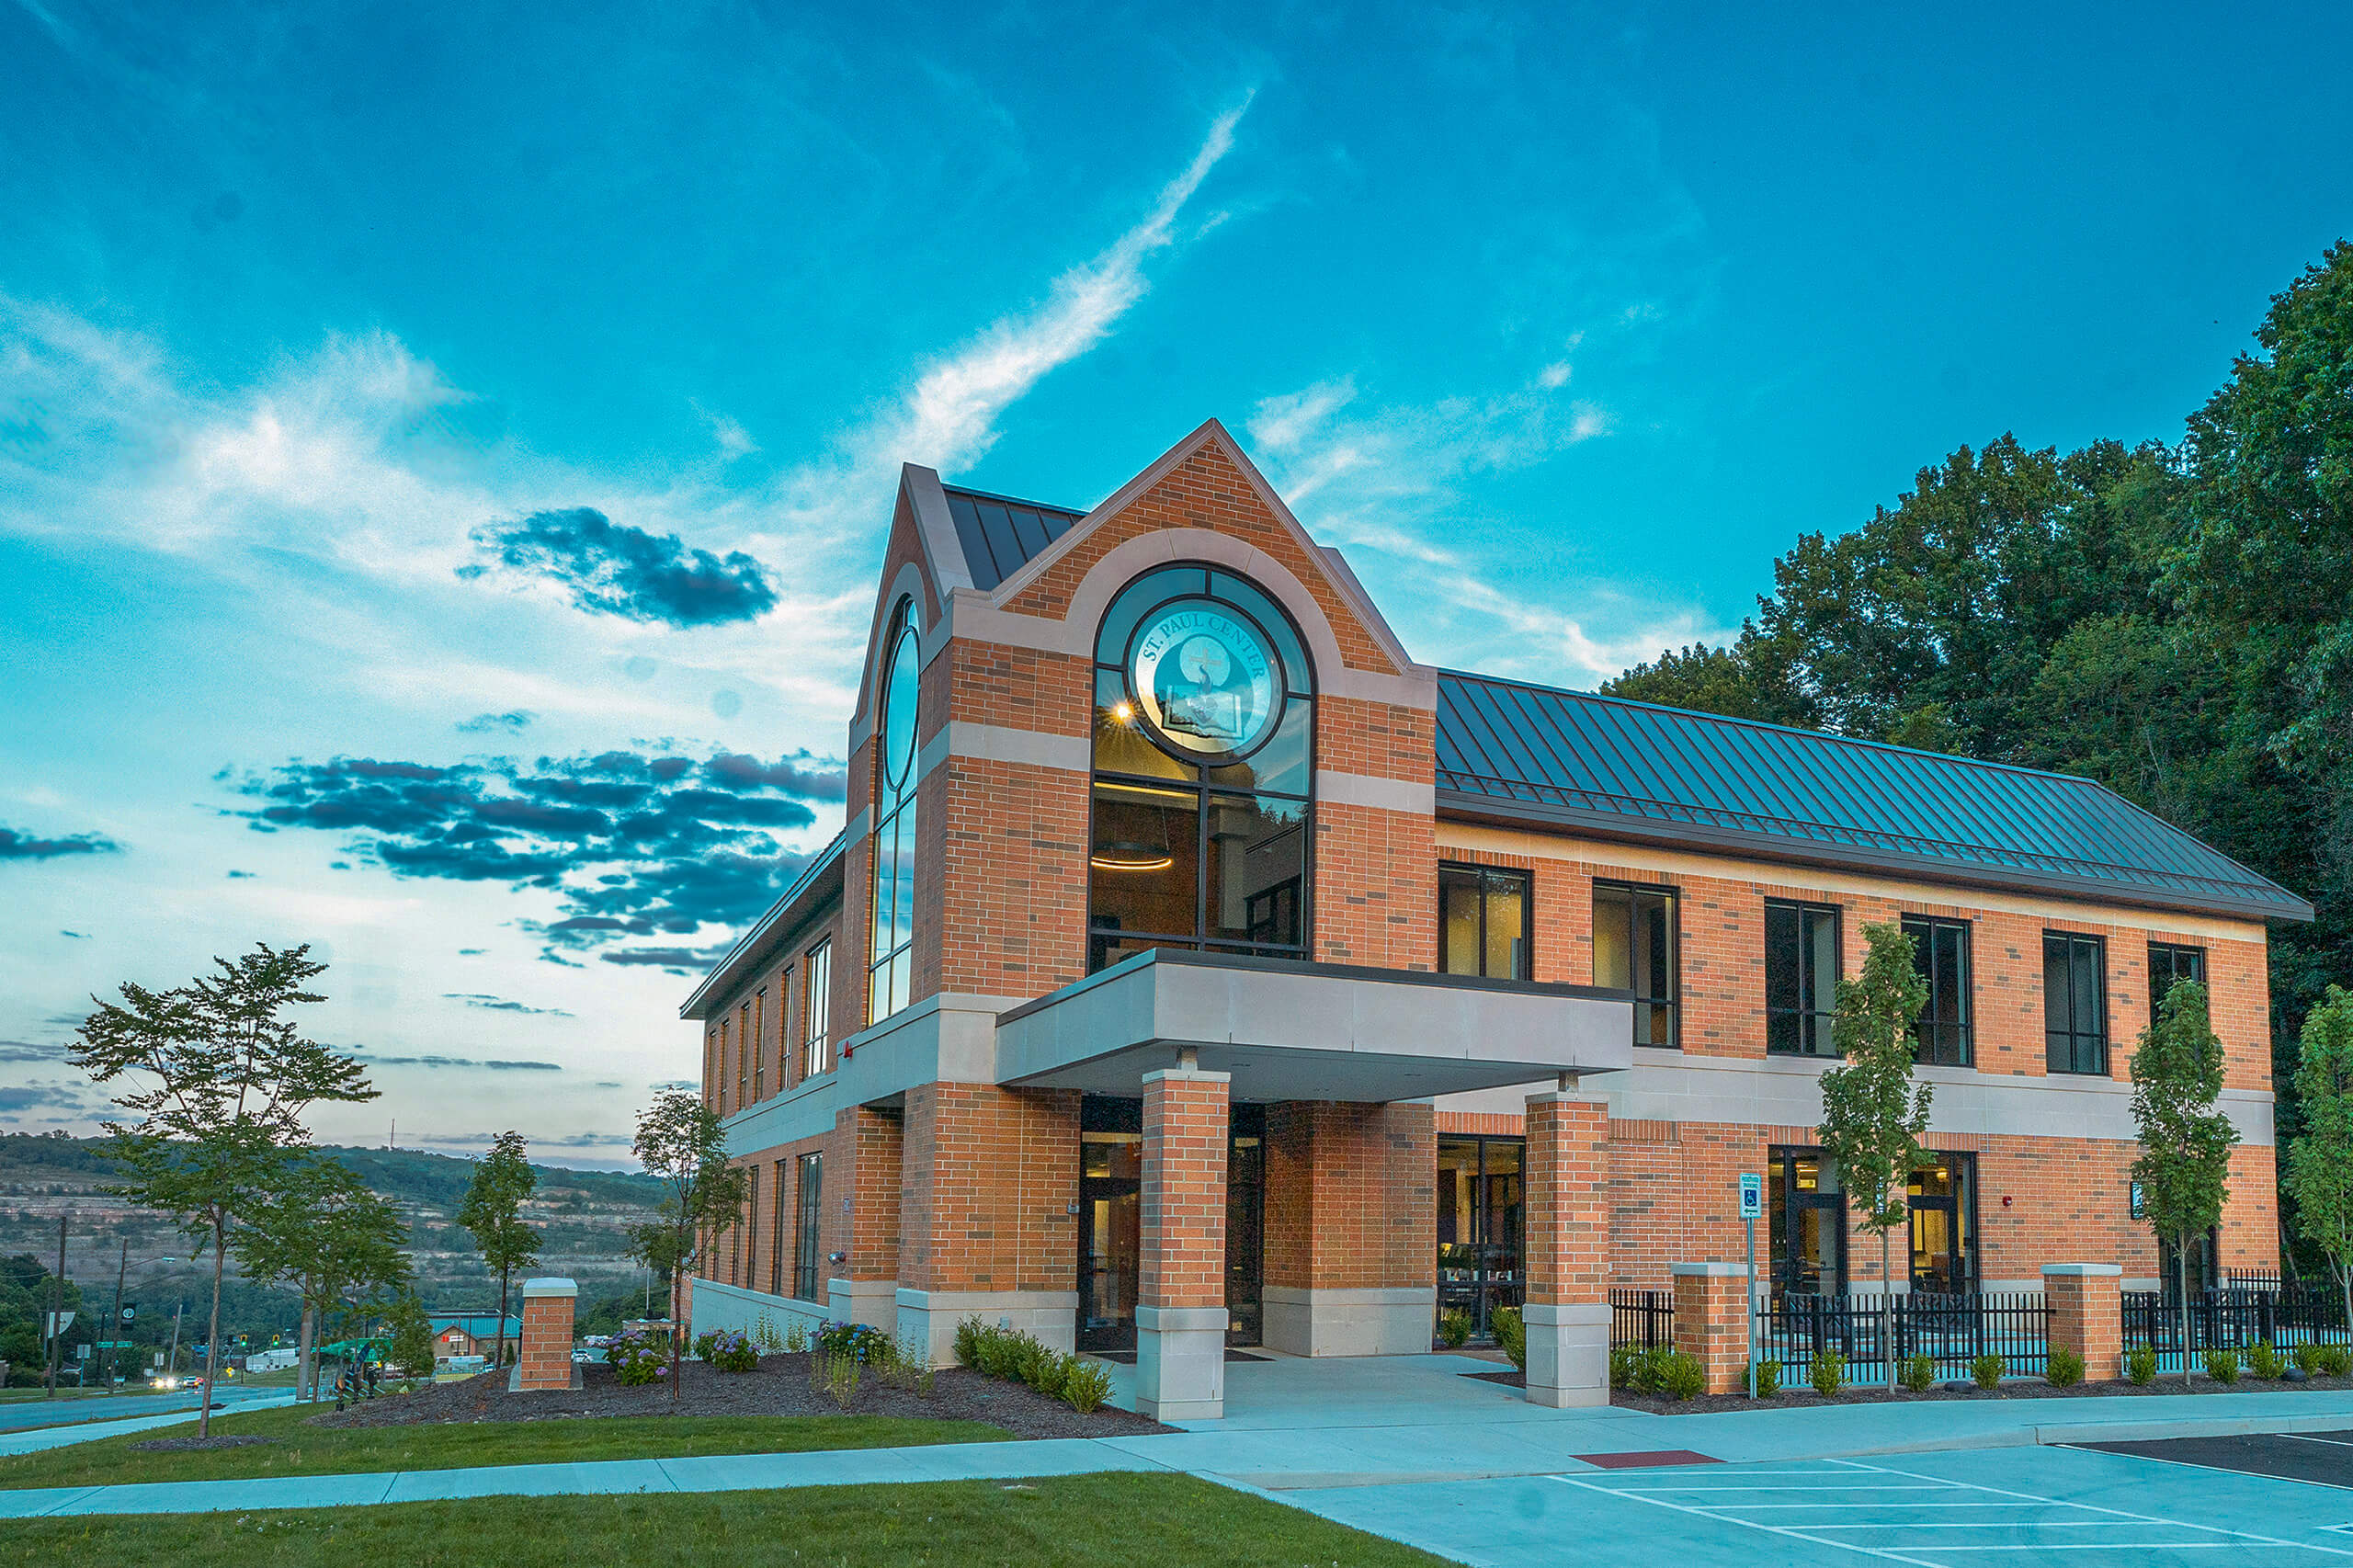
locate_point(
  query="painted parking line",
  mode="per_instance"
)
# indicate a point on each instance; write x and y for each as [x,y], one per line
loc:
[1898,1516]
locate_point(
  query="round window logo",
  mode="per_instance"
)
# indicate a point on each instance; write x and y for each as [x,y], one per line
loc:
[1206,679]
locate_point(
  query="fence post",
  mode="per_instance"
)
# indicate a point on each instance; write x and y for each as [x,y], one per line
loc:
[2086,1314]
[1711,1309]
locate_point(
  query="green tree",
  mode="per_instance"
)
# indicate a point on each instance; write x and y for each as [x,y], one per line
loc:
[494,1212]
[1872,1111]
[2320,1161]
[315,1226]
[1728,680]
[2185,1162]
[679,1142]
[412,1333]
[219,1083]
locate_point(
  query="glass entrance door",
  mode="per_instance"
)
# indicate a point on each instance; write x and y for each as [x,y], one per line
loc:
[1480,1212]
[1110,1237]
[1943,1200]
[1245,1224]
[1806,1214]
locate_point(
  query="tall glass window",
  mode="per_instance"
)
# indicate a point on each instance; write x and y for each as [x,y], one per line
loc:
[777,1233]
[750,1229]
[2168,963]
[1203,821]
[1940,954]
[806,1249]
[746,1048]
[1634,946]
[891,960]
[2074,1003]
[724,1044]
[817,1051]
[759,1045]
[1482,921]
[1800,978]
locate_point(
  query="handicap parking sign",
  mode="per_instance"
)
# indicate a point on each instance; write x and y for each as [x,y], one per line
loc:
[1752,1196]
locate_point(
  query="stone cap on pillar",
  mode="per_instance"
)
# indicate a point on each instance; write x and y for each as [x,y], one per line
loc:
[549,1285]
[2080,1270]
[1712,1270]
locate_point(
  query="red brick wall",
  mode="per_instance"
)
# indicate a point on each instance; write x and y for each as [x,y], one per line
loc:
[1567,1168]
[991,1175]
[1183,1203]
[1351,1196]
[1013,896]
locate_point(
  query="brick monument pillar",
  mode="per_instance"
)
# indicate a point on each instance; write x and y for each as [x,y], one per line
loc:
[544,1359]
[1711,1321]
[2087,1315]
[1567,1309]
[1180,1287]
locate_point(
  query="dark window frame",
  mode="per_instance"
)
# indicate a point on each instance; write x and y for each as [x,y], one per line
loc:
[2086,1050]
[1824,1013]
[1671,1005]
[1488,876]
[776,1212]
[809,1213]
[2174,953]
[1925,955]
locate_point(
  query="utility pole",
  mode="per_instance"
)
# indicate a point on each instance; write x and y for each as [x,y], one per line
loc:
[172,1368]
[57,1296]
[120,1269]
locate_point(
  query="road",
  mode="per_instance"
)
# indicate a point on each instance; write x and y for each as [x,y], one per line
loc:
[25,1416]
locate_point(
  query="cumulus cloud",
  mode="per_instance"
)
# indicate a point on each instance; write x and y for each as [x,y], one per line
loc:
[17,846]
[613,569]
[512,722]
[636,844]
[492,1065]
[32,1051]
[500,1005]
[676,961]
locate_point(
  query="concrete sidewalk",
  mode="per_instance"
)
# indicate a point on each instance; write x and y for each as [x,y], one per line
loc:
[1303,1424]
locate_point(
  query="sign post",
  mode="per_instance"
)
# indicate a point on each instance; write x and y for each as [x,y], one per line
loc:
[1752,1204]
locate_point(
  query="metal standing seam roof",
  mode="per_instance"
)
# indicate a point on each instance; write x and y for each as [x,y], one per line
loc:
[1001,535]
[1632,769]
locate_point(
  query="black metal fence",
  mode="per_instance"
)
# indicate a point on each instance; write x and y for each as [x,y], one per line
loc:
[1953,1331]
[2237,1316]
[1642,1318]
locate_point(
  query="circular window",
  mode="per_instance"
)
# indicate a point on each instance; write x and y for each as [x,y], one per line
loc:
[1206,679]
[899,711]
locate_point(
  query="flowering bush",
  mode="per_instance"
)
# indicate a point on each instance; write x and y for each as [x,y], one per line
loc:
[638,1358]
[727,1350]
[858,1341]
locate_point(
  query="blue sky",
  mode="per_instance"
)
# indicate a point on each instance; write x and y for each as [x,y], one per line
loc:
[444,451]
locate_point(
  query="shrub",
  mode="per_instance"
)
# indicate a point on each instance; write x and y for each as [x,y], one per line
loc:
[764,1336]
[2140,1365]
[1453,1328]
[968,1342]
[2223,1365]
[2066,1368]
[1679,1377]
[837,1376]
[1917,1373]
[2308,1357]
[860,1341]
[1035,1365]
[1087,1385]
[2264,1362]
[1511,1334]
[796,1337]
[1987,1370]
[638,1358]
[727,1350]
[1768,1379]
[2332,1361]
[1635,1368]
[1623,1359]
[1827,1372]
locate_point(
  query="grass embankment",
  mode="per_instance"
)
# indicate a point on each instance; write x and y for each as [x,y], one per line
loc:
[1081,1521]
[302,1449]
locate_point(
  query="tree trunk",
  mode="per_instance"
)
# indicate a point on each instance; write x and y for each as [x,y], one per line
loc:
[2182,1275]
[677,1320]
[306,1379]
[213,1338]
[1887,1310]
[499,1363]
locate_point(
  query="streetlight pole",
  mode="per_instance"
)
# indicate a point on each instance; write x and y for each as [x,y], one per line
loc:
[57,1296]
[121,1268]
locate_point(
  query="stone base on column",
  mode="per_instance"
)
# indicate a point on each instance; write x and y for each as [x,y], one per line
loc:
[1568,1353]
[1180,1363]
[929,1317]
[1301,1321]
[872,1301]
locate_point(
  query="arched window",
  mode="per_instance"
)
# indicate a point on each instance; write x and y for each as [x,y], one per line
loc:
[1204,771]
[889,957]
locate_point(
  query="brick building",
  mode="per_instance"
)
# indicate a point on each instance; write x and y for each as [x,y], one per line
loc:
[1195,968]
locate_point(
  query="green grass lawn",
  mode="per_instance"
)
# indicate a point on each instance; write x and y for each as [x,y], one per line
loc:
[1081,1521]
[322,1450]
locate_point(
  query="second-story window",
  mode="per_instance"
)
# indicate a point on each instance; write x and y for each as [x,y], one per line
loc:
[1800,978]
[2169,963]
[891,957]
[2074,1003]
[747,1046]
[817,1051]
[1940,953]
[1635,939]
[1482,921]
[725,1066]
[759,1044]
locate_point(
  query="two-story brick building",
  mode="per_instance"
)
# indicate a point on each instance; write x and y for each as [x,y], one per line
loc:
[1196,968]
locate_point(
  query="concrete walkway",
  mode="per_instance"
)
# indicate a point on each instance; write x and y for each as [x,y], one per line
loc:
[1300,1426]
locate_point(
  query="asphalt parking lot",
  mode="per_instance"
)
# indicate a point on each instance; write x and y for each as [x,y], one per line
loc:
[2325,1458]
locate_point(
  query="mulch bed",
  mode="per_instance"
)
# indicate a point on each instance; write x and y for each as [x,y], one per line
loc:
[781,1387]
[199,1445]
[1802,1396]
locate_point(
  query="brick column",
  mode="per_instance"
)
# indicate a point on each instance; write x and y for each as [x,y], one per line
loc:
[1181,1293]
[1711,1321]
[2087,1315]
[1567,1315]
[862,1222]
[544,1360]
[1351,1232]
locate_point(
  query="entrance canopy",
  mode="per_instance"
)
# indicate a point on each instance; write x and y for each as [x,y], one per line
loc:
[1307,1031]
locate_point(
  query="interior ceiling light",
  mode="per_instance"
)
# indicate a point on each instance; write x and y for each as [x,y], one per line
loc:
[1131,857]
